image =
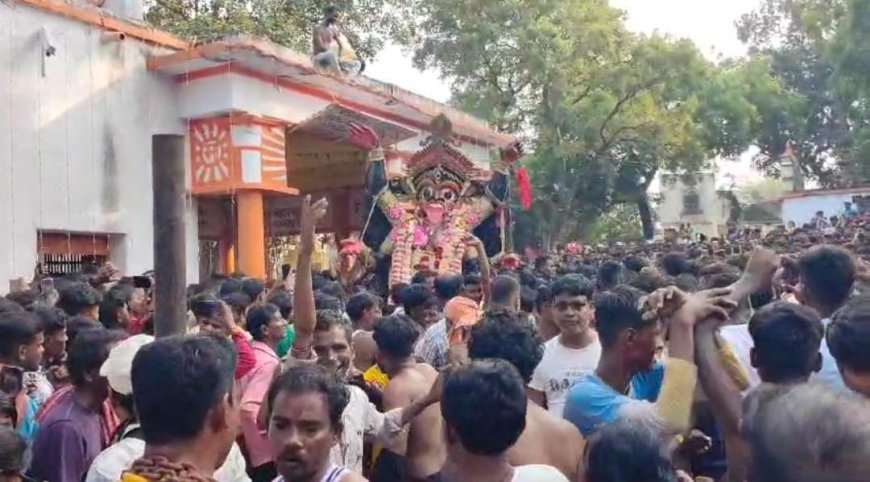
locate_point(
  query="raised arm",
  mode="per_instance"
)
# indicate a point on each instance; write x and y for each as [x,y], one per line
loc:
[303,293]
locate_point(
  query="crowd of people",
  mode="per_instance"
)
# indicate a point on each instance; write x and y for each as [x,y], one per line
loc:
[745,358]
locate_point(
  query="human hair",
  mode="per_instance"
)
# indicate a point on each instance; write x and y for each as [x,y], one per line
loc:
[628,451]
[52,320]
[117,297]
[504,288]
[284,301]
[648,282]
[449,286]
[485,403]
[543,297]
[7,306]
[472,279]
[540,261]
[77,297]
[528,296]
[687,282]
[260,315]
[327,320]
[312,378]
[229,286]
[675,264]
[634,263]
[507,336]
[848,335]
[79,324]
[333,289]
[359,303]
[786,337]
[176,382]
[828,274]
[617,310]
[27,298]
[88,352]
[13,448]
[17,330]
[238,302]
[806,433]
[420,277]
[609,274]
[396,336]
[417,296]
[253,287]
[572,285]
[323,301]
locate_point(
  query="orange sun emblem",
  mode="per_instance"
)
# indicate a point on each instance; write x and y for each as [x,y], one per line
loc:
[211,153]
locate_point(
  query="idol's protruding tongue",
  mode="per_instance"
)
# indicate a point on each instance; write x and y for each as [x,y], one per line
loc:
[434,213]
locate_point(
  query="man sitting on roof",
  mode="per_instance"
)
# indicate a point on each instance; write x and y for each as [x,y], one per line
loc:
[332,50]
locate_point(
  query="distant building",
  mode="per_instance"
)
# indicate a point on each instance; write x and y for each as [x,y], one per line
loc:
[692,200]
[800,207]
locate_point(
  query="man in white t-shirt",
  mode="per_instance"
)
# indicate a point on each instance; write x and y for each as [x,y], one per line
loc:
[574,353]
[484,411]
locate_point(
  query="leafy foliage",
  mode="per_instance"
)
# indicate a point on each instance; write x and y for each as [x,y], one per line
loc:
[368,23]
[807,79]
[603,109]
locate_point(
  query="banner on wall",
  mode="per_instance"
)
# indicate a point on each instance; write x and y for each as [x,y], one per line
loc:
[282,215]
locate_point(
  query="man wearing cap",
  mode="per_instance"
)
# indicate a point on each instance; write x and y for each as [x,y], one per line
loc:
[460,314]
[129,444]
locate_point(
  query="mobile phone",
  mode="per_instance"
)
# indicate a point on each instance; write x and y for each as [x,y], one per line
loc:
[46,284]
[285,270]
[143,282]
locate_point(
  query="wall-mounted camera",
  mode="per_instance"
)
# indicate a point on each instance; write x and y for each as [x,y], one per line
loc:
[49,44]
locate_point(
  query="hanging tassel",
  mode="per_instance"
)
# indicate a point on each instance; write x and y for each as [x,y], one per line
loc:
[524,186]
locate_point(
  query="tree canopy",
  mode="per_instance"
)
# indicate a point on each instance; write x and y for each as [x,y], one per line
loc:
[368,23]
[603,109]
[807,77]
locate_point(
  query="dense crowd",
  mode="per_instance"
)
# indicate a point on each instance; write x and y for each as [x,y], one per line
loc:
[741,358]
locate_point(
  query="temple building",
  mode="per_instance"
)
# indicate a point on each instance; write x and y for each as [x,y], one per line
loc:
[83,89]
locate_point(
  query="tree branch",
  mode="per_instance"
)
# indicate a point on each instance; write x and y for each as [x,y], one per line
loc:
[616,108]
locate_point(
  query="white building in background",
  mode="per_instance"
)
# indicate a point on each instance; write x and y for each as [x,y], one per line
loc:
[800,207]
[692,200]
[83,90]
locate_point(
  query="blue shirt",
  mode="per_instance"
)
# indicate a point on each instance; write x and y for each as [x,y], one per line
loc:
[829,375]
[592,403]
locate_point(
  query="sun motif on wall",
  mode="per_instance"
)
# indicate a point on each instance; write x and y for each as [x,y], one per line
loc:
[211,153]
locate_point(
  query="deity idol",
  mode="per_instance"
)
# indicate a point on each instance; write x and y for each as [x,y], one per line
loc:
[424,219]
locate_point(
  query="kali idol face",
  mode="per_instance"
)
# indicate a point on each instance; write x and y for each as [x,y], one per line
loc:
[438,190]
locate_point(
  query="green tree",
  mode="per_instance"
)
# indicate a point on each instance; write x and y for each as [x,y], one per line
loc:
[603,109]
[368,23]
[804,76]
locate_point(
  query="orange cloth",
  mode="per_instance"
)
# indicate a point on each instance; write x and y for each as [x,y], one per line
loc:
[461,313]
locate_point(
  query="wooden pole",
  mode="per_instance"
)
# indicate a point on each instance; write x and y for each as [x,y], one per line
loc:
[168,182]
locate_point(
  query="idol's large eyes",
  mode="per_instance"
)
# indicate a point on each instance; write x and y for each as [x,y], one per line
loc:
[448,194]
[427,193]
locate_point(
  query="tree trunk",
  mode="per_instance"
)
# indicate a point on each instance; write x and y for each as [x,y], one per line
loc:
[646,220]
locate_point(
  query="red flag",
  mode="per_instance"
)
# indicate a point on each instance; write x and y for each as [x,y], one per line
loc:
[524,186]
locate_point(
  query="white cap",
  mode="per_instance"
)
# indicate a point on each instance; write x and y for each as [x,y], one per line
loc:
[119,365]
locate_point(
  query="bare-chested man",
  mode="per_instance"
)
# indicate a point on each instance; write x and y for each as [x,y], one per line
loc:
[422,453]
[546,439]
[332,50]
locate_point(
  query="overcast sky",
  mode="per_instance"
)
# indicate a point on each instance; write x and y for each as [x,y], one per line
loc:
[709,23]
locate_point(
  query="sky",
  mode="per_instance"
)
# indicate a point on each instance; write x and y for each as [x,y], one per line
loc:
[709,23]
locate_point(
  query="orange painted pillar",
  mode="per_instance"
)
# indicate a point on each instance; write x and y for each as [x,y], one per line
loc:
[251,233]
[228,256]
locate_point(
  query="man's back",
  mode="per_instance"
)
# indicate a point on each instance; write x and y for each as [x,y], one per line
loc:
[425,450]
[548,440]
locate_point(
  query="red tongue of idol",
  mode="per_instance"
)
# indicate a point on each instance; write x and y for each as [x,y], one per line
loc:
[434,213]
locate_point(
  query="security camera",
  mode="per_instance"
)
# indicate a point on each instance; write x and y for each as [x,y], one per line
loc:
[114,36]
[48,43]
